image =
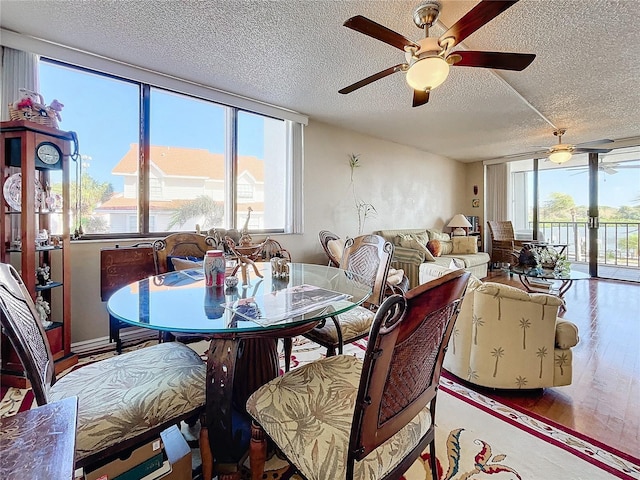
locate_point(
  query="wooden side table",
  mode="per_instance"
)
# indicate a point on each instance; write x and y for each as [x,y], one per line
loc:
[40,443]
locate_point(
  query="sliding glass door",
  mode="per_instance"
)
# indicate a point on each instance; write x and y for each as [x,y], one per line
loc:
[591,204]
[618,200]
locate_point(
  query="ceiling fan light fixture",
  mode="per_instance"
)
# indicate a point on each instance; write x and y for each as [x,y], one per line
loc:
[427,73]
[560,155]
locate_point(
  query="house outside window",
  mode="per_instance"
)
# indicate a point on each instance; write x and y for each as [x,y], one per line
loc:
[245,190]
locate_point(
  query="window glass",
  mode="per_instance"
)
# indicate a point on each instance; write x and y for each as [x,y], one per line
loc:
[187,180]
[104,112]
[187,168]
[262,171]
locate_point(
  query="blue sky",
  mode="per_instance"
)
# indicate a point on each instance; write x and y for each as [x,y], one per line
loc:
[614,190]
[104,114]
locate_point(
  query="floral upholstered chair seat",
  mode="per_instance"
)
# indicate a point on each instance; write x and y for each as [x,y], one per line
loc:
[309,414]
[113,395]
[352,323]
[123,401]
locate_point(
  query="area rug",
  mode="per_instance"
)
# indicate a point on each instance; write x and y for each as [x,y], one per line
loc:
[476,437]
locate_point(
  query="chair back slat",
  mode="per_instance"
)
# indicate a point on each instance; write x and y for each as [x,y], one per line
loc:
[370,257]
[26,333]
[403,360]
[181,245]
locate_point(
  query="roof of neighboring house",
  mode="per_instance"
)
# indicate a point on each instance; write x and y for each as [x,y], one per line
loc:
[187,162]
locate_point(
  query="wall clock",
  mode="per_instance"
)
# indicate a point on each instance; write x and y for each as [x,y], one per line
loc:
[48,155]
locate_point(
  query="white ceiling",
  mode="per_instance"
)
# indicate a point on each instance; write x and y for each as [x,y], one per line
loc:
[296,54]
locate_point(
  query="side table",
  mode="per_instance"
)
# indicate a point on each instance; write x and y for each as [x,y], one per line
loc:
[40,443]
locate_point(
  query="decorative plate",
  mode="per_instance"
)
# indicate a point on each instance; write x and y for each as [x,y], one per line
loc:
[12,191]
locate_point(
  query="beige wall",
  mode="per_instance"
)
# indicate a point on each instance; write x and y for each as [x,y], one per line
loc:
[475,176]
[408,187]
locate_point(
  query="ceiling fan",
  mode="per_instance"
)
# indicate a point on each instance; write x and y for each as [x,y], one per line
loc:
[562,152]
[608,168]
[427,61]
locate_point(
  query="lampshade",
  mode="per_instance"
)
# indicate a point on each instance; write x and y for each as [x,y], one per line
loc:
[427,73]
[459,222]
[560,156]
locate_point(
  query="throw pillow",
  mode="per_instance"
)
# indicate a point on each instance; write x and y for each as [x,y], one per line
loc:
[438,235]
[422,237]
[409,241]
[432,271]
[394,277]
[336,247]
[185,263]
[440,247]
[465,245]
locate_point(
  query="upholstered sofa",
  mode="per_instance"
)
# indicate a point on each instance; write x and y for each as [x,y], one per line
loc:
[461,252]
[507,338]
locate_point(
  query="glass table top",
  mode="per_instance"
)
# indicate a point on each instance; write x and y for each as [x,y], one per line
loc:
[549,274]
[180,301]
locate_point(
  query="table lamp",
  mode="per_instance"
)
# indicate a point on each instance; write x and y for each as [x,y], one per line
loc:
[459,223]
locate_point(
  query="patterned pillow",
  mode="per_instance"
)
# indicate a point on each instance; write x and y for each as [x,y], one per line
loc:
[185,263]
[411,241]
[438,235]
[465,245]
[336,247]
[422,237]
[440,247]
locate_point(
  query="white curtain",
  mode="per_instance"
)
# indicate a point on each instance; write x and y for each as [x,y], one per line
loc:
[497,199]
[19,70]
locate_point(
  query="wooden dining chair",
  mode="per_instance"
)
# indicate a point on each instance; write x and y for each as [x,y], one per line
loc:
[343,418]
[334,253]
[123,401]
[181,251]
[368,256]
[181,246]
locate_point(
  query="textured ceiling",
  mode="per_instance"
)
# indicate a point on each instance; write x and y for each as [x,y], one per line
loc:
[296,54]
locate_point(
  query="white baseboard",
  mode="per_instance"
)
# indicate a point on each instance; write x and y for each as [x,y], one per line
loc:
[102,343]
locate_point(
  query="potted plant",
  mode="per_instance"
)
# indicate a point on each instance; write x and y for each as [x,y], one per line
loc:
[363,209]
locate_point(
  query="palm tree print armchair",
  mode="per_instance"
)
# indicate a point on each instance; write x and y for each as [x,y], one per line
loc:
[507,338]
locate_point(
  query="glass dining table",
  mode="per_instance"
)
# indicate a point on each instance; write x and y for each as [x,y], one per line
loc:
[242,353]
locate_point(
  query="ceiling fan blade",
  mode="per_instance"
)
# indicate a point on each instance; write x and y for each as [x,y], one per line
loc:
[379,32]
[594,142]
[420,97]
[592,150]
[372,78]
[478,16]
[497,60]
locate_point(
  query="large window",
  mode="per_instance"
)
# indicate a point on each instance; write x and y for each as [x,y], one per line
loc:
[590,205]
[155,160]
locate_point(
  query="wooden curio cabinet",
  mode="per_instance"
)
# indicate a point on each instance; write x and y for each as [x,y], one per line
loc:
[35,231]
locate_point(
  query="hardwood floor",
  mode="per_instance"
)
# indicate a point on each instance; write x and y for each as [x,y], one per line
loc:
[603,401]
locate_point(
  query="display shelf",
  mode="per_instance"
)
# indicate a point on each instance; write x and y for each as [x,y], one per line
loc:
[48,286]
[24,216]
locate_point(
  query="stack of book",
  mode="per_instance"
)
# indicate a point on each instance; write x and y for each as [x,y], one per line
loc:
[167,458]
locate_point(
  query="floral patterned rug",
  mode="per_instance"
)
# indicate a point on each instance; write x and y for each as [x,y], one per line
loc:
[476,438]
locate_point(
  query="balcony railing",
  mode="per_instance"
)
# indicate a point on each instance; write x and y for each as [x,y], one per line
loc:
[617,241]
